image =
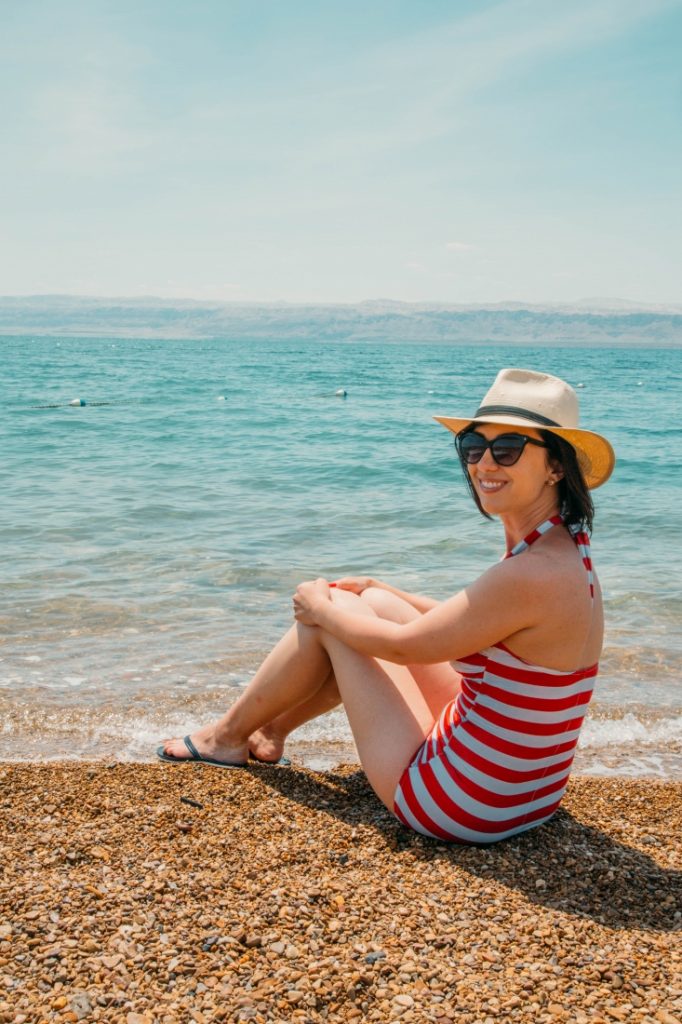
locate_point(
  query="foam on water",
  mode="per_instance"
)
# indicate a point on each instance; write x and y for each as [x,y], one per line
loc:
[629,730]
[48,727]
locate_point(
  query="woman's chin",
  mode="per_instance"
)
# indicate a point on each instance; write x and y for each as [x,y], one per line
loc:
[492,502]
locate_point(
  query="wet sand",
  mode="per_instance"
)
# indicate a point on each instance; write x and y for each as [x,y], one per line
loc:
[163,894]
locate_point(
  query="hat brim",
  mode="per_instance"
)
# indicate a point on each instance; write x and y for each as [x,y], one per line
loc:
[596,457]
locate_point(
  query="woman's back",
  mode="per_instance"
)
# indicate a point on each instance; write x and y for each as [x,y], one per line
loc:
[498,760]
[569,631]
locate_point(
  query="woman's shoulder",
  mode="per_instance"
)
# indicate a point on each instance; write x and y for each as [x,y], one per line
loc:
[543,570]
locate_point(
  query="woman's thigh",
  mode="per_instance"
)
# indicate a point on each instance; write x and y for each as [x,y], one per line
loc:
[439,683]
[389,710]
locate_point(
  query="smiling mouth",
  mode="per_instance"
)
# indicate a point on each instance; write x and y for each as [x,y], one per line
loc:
[490,486]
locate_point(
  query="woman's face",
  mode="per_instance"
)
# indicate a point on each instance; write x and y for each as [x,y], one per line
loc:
[525,485]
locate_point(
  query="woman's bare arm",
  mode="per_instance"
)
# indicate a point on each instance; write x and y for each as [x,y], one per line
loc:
[505,600]
[357,584]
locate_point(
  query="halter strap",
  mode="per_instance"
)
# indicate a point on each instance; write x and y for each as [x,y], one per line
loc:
[580,537]
[582,542]
[535,535]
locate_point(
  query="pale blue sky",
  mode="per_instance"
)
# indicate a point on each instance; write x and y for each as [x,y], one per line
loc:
[523,150]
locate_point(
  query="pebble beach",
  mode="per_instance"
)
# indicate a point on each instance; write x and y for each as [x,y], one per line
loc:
[154,894]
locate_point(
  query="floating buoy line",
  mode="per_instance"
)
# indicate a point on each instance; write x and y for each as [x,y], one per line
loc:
[74,403]
[79,403]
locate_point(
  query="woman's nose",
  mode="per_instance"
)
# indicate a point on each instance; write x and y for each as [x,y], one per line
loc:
[487,460]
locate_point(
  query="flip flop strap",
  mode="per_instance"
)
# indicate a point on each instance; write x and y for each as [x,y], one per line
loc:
[196,756]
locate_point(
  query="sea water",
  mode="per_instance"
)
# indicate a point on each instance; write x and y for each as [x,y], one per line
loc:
[153,537]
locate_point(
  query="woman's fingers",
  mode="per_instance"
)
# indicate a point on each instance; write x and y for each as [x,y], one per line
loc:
[307,596]
[356,584]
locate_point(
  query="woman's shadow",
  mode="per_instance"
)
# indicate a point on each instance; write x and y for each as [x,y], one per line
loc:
[564,864]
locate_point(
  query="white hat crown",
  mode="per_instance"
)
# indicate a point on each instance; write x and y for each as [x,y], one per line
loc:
[526,394]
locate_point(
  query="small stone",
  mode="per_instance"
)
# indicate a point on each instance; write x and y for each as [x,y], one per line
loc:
[80,1005]
[404,1000]
[112,961]
[100,853]
[294,996]
[277,947]
[666,1018]
[291,952]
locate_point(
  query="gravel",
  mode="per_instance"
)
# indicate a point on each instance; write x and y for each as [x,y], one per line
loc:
[154,894]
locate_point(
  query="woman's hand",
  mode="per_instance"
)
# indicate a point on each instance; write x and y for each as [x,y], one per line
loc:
[356,584]
[307,599]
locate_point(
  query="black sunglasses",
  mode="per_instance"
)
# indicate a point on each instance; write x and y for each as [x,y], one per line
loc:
[506,449]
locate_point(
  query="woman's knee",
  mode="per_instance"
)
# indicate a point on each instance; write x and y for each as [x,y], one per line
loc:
[388,605]
[353,602]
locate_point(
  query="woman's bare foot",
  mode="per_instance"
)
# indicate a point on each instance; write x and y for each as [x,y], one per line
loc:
[266,745]
[209,744]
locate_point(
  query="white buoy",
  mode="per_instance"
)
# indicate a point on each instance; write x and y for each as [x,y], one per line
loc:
[639,383]
[78,401]
[580,385]
[222,398]
[341,393]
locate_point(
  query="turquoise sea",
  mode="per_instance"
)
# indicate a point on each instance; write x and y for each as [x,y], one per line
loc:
[153,537]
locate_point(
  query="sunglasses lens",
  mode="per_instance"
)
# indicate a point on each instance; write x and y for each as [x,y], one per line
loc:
[471,448]
[507,450]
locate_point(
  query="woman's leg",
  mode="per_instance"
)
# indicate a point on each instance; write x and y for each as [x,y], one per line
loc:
[389,710]
[268,743]
[293,672]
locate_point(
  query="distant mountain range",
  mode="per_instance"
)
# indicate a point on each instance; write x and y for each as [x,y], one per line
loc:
[591,321]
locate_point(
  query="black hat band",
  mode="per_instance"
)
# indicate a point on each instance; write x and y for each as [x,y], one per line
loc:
[513,410]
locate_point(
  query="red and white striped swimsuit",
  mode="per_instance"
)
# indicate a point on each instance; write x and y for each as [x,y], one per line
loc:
[498,759]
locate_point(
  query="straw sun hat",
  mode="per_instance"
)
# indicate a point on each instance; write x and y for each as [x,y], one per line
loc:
[525,398]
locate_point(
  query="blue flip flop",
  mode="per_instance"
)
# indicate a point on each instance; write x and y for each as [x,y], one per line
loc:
[197,757]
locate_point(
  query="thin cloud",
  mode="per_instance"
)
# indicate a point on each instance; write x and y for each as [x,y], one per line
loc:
[450,65]
[87,126]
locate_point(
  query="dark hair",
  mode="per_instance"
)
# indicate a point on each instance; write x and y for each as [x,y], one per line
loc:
[575,500]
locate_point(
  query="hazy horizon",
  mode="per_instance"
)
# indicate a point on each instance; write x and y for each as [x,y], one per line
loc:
[381,320]
[611,304]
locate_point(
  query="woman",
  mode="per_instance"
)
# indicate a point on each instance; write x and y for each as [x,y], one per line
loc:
[460,746]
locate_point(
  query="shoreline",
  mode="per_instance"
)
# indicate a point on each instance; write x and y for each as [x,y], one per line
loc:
[640,762]
[162,894]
